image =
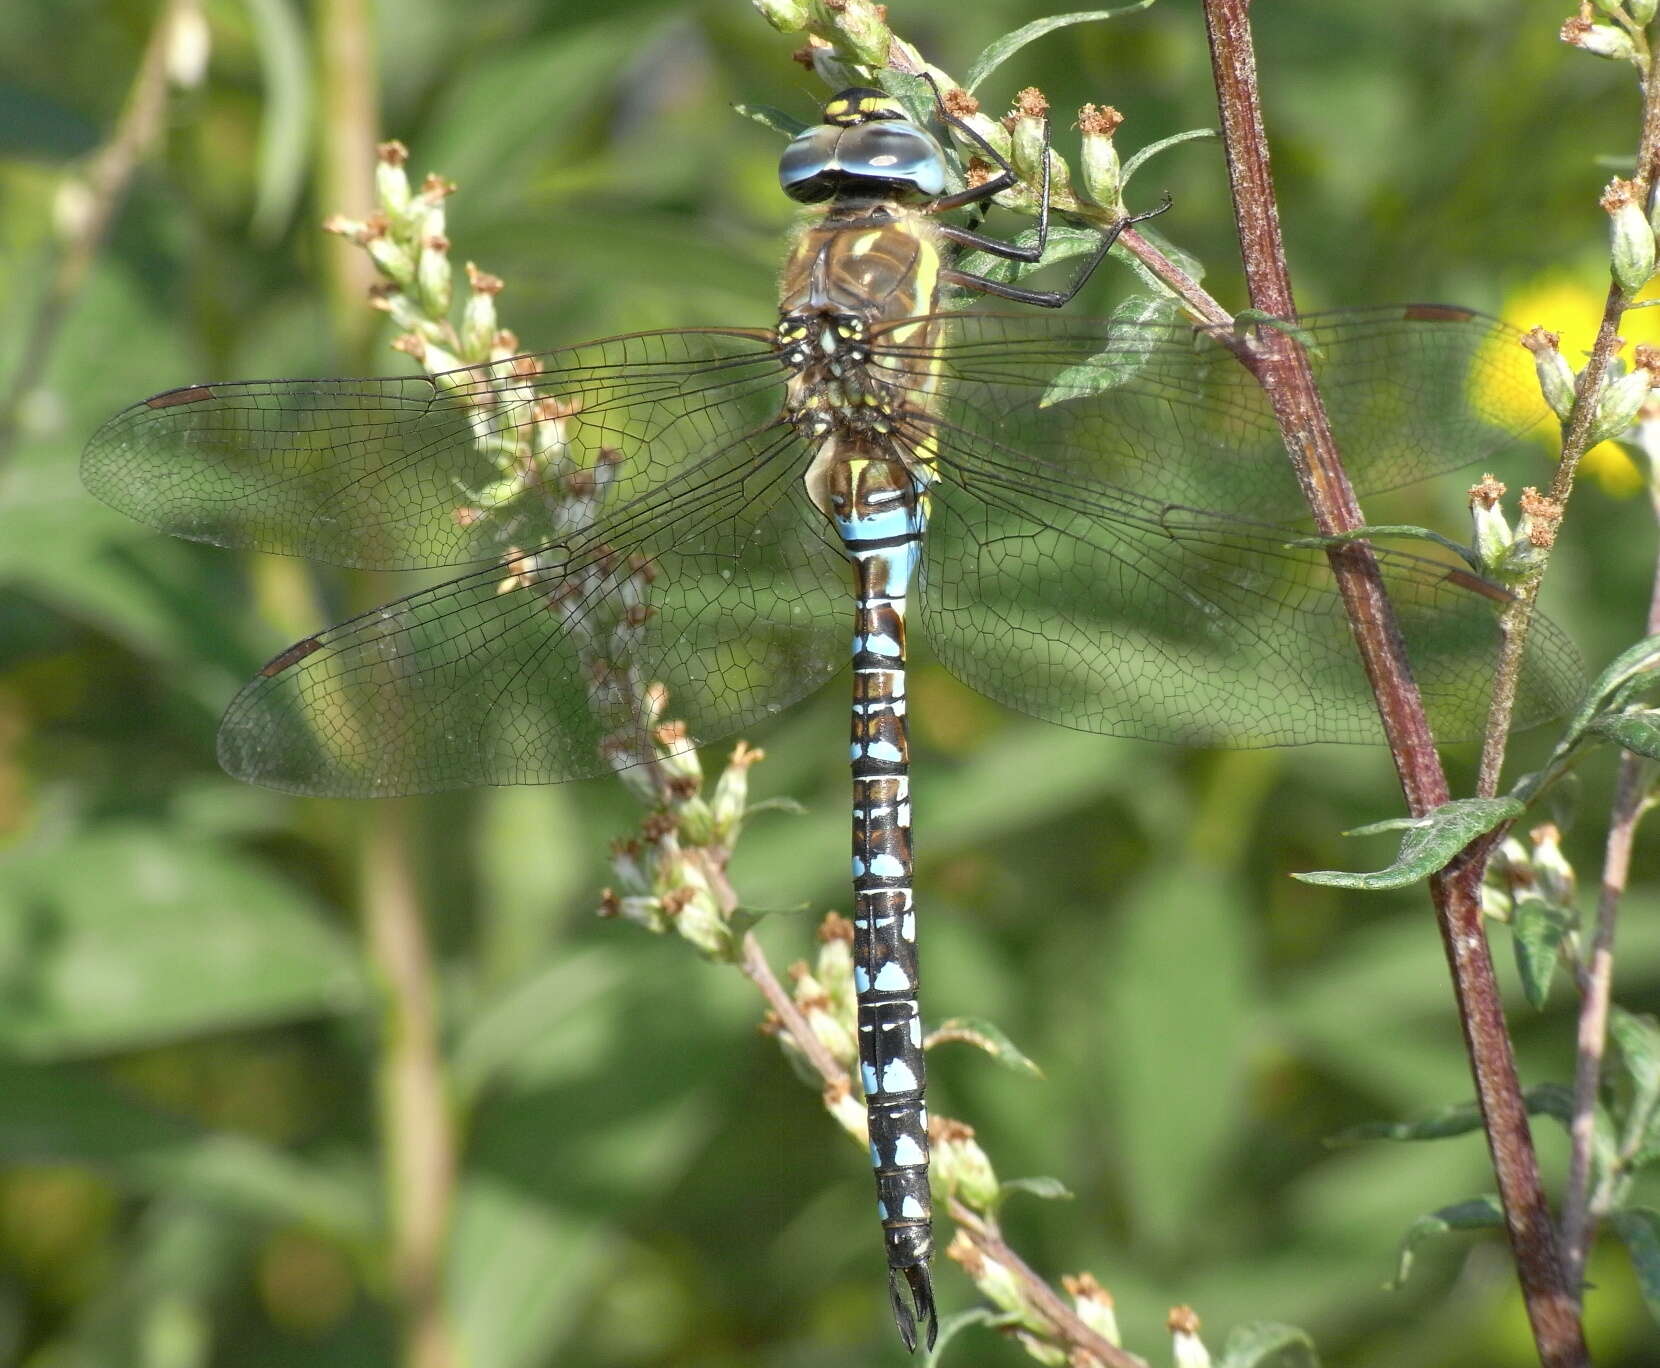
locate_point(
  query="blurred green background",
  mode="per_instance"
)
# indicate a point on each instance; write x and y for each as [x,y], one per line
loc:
[192,1161]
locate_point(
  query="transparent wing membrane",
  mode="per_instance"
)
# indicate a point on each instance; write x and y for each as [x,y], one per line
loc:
[634,512]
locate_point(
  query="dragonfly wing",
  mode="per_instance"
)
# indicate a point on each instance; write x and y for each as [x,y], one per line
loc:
[1091,605]
[718,586]
[1167,410]
[416,471]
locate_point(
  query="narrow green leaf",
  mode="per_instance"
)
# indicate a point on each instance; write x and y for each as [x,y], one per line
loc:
[981,1033]
[251,1179]
[1536,930]
[1542,1099]
[1639,1227]
[285,115]
[1631,667]
[1430,841]
[1404,531]
[1638,732]
[1010,43]
[1049,1189]
[1638,1039]
[1268,1345]
[1142,155]
[527,1015]
[1065,242]
[1481,1213]
[775,119]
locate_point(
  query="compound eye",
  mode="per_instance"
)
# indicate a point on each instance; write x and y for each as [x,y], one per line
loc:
[898,152]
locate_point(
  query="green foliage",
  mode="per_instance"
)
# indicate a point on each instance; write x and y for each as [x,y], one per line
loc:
[190,1030]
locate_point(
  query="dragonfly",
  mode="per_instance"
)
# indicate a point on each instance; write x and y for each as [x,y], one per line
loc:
[1091,521]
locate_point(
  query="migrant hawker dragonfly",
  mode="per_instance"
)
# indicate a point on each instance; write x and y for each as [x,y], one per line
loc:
[705,510]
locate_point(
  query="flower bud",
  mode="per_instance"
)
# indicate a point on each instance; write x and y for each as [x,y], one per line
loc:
[848,1111]
[391,180]
[731,798]
[1188,1350]
[432,274]
[787,16]
[866,30]
[1556,376]
[1557,880]
[698,919]
[478,314]
[960,1165]
[996,1283]
[189,43]
[1631,235]
[1619,404]
[1600,40]
[1094,1305]
[1641,10]
[1491,535]
[1098,162]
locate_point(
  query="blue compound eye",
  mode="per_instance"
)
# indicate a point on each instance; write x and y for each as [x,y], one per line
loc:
[882,157]
[895,151]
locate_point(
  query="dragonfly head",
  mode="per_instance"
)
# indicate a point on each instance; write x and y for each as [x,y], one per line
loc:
[867,148]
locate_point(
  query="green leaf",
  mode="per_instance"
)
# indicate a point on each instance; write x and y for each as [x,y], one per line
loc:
[1181,1005]
[1010,43]
[1638,1039]
[1639,1227]
[519,1273]
[974,1031]
[1430,841]
[1142,155]
[1267,1345]
[130,935]
[1638,732]
[1543,1099]
[251,1179]
[285,115]
[1109,370]
[1537,929]
[1064,243]
[512,1031]
[1481,1213]
[1049,1189]
[1404,531]
[1628,671]
[775,119]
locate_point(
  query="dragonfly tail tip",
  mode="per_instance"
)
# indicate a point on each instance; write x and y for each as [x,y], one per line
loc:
[919,1309]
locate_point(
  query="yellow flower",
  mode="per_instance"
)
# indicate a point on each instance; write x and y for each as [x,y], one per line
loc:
[1563,305]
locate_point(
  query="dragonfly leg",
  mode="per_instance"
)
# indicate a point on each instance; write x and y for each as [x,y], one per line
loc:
[1047,299]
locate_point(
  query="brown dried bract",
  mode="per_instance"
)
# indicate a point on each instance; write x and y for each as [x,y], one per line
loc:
[1544,517]
[959,103]
[1487,492]
[1538,340]
[1032,103]
[1099,119]
[392,152]
[834,927]
[1182,1320]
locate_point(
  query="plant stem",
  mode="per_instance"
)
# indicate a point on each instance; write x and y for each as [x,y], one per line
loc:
[1579,1215]
[1284,371]
[417,1131]
[107,176]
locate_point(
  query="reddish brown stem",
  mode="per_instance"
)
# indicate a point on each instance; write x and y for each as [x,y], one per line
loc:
[1285,375]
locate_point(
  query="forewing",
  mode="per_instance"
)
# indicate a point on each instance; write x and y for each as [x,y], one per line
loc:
[719,586]
[1167,410]
[425,471]
[1093,606]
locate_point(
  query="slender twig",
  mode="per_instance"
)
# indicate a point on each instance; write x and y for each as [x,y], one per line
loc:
[1286,376]
[417,1132]
[1579,1213]
[105,181]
